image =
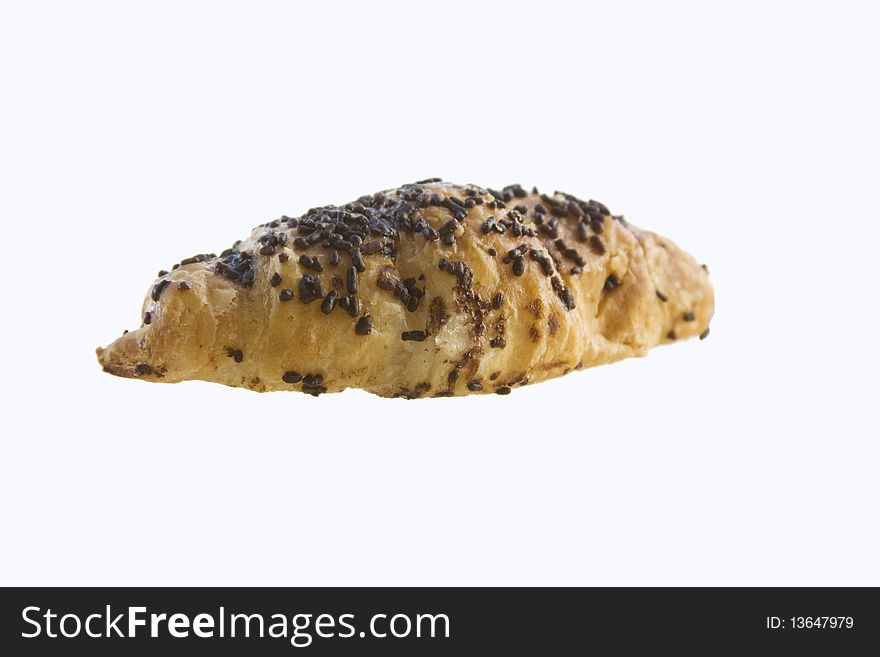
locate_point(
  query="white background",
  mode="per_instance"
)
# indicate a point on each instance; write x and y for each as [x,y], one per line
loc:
[135,134]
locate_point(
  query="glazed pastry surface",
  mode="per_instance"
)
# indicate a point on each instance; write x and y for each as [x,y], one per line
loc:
[432,289]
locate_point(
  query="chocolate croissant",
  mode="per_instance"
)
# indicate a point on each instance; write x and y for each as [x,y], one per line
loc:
[429,290]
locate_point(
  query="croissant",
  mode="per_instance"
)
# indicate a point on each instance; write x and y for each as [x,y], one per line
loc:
[429,290]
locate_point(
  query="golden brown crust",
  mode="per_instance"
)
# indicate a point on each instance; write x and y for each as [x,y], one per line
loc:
[462,291]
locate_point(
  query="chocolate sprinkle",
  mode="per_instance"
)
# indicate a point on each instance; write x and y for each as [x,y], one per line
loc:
[235,354]
[460,270]
[351,280]
[364,325]
[563,293]
[704,334]
[157,289]
[237,266]
[313,380]
[503,390]
[474,386]
[689,317]
[415,336]
[310,262]
[286,294]
[310,288]
[661,296]
[448,226]
[142,369]
[371,248]
[611,282]
[201,257]
[329,302]
[541,258]
[291,377]
[275,279]
[358,261]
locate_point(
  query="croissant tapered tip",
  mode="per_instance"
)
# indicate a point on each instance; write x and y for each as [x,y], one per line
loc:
[125,357]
